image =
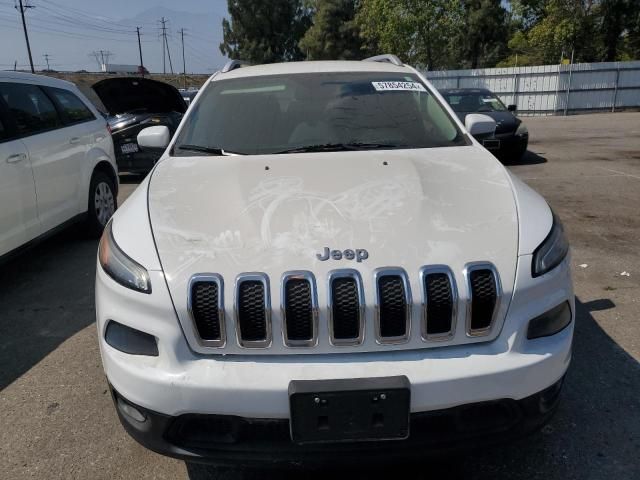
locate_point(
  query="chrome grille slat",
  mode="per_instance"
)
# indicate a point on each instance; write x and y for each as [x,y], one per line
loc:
[440,298]
[393,305]
[205,303]
[346,307]
[253,310]
[485,293]
[299,305]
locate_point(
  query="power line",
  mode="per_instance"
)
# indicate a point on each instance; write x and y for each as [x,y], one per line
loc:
[75,13]
[66,20]
[26,35]
[68,34]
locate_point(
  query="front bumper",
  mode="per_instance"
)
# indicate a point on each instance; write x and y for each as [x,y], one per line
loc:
[511,145]
[178,383]
[233,440]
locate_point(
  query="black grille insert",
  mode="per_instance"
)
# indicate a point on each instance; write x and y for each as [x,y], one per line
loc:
[439,303]
[393,308]
[252,312]
[298,309]
[345,309]
[484,295]
[205,308]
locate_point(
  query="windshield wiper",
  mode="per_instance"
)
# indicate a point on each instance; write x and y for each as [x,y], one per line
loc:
[337,147]
[207,150]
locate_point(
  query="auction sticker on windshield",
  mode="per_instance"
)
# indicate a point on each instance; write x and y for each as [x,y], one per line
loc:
[398,86]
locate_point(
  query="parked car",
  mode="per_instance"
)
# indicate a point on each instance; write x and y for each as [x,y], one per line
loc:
[511,136]
[325,266]
[56,160]
[188,95]
[132,104]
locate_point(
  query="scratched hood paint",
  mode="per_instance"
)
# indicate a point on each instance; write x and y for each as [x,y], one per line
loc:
[274,213]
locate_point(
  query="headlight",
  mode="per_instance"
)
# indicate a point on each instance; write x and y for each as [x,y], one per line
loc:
[522,129]
[552,251]
[119,266]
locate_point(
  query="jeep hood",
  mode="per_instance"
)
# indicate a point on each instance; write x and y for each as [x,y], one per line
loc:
[122,95]
[274,213]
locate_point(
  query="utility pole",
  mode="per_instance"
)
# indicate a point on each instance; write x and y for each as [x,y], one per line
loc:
[184,63]
[164,38]
[46,59]
[140,50]
[566,101]
[166,41]
[26,35]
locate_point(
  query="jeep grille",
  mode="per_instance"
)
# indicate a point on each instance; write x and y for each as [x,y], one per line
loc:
[346,312]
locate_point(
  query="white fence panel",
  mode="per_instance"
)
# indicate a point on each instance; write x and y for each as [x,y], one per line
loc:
[546,89]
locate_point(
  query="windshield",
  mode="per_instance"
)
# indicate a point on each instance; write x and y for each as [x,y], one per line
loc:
[474,102]
[316,112]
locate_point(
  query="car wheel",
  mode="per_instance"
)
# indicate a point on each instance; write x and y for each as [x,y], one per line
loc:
[102,203]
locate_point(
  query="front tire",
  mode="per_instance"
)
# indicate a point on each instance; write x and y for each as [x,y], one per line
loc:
[102,203]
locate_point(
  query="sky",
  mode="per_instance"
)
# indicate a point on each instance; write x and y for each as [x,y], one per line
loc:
[68,31]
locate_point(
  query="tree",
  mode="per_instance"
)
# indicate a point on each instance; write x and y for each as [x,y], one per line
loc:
[421,32]
[632,35]
[334,33]
[264,32]
[616,19]
[544,31]
[483,39]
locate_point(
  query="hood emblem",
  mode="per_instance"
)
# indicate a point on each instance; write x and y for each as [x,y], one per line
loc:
[359,254]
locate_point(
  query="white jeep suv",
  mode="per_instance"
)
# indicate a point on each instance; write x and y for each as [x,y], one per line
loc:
[57,164]
[325,263]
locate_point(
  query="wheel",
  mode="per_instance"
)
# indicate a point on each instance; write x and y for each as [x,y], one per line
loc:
[102,203]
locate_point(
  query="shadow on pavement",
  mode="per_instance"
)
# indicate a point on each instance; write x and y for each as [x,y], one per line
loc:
[529,158]
[46,296]
[594,435]
[131,178]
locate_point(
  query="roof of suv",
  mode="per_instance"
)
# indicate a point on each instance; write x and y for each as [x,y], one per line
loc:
[313,67]
[23,77]
[453,91]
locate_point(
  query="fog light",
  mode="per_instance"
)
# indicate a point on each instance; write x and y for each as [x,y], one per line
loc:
[551,322]
[131,411]
[129,340]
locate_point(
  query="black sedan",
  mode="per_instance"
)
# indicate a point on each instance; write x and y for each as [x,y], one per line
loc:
[132,104]
[511,137]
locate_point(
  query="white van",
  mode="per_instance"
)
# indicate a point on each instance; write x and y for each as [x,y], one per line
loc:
[57,164]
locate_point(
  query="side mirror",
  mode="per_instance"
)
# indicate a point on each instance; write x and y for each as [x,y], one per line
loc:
[478,124]
[512,108]
[154,137]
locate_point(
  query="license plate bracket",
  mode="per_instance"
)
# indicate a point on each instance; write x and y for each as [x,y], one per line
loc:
[491,144]
[349,410]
